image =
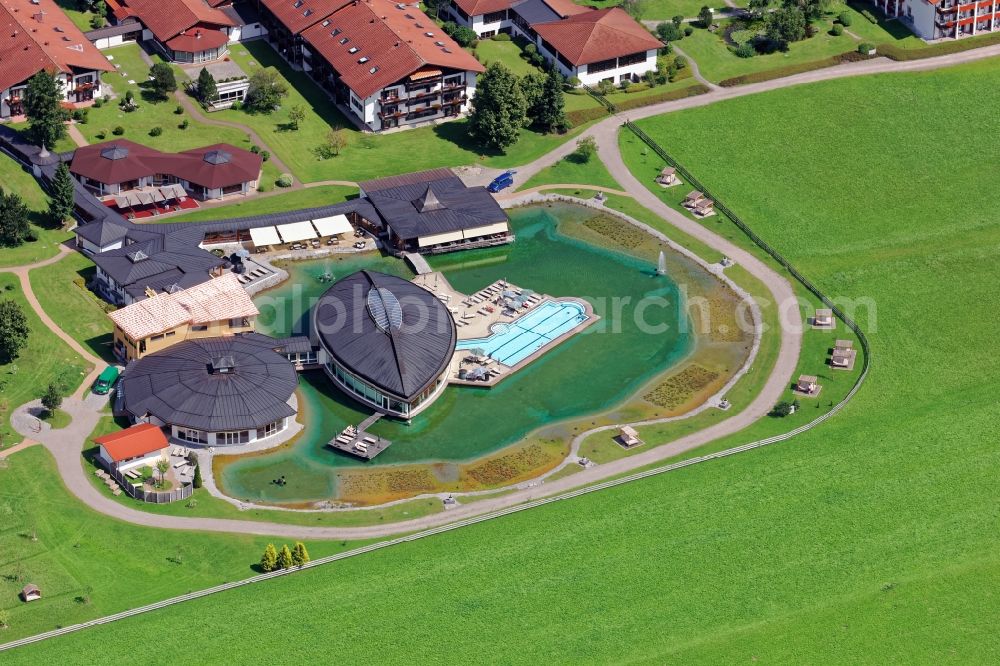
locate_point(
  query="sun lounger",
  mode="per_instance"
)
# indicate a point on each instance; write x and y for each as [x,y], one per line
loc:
[179,464]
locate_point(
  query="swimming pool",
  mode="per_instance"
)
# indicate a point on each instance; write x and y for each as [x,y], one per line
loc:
[512,343]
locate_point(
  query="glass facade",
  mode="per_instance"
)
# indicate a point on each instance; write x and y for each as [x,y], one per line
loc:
[369,394]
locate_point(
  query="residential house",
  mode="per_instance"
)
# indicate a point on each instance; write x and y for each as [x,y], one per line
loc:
[37,35]
[138,446]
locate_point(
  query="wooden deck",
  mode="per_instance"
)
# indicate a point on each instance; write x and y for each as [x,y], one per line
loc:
[362,444]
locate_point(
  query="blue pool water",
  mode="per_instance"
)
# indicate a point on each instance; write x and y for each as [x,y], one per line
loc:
[512,343]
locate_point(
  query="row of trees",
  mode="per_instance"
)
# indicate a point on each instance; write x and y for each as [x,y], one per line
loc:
[504,104]
[272,559]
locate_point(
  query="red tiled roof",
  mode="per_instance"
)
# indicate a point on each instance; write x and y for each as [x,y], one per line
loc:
[191,165]
[597,35]
[307,13]
[168,18]
[479,7]
[40,36]
[198,38]
[393,43]
[132,442]
[566,7]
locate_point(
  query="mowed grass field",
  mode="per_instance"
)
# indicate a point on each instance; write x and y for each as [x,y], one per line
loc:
[88,565]
[870,539]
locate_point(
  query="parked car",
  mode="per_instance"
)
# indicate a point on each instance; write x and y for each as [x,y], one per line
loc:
[501,182]
[106,380]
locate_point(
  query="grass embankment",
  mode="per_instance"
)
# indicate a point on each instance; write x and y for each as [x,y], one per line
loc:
[88,565]
[872,538]
[45,359]
[61,289]
[15,179]
[310,197]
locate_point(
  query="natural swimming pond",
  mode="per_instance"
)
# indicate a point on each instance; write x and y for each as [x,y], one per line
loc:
[511,343]
[641,333]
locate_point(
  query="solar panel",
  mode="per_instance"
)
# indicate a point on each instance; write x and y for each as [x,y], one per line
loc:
[385,309]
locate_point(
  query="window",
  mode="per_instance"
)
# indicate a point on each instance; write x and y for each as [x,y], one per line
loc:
[362,60]
[157,337]
[602,66]
[270,429]
[297,3]
[200,327]
[170,334]
[353,49]
[240,322]
[193,436]
[493,17]
[232,438]
[343,40]
[632,59]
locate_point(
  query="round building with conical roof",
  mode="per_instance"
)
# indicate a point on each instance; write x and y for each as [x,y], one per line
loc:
[388,342]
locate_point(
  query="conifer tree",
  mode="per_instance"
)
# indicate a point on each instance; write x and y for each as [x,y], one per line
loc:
[299,554]
[285,558]
[269,560]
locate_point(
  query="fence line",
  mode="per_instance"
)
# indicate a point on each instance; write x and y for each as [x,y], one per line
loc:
[602,100]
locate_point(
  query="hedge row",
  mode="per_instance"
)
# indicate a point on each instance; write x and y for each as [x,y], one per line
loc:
[780,72]
[582,116]
[668,96]
[943,48]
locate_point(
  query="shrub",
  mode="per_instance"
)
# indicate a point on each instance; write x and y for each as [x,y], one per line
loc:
[255,149]
[845,19]
[118,130]
[102,134]
[581,116]
[179,110]
[745,50]
[98,102]
[184,124]
[837,30]
[574,82]
[156,131]
[864,48]
[265,155]
[678,20]
[501,37]
[868,15]
[464,36]
[668,32]
[742,36]
[688,30]
[639,87]
[779,72]
[284,180]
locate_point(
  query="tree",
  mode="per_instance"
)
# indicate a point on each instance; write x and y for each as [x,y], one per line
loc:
[13,330]
[335,142]
[61,203]
[585,149]
[197,482]
[550,115]
[785,25]
[14,227]
[208,91]
[265,92]
[463,35]
[162,465]
[758,8]
[269,560]
[532,86]
[52,398]
[41,104]
[668,32]
[296,115]
[162,80]
[498,108]
[285,558]
[99,19]
[299,554]
[705,16]
[632,7]
[811,9]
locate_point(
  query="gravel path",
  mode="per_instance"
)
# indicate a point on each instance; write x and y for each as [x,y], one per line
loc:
[65,444]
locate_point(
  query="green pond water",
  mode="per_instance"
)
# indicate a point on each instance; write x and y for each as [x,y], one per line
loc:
[591,372]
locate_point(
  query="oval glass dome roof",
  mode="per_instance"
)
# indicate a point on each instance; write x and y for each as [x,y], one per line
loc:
[385,309]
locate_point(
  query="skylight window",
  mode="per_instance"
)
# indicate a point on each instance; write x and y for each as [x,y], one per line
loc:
[429,34]
[373,70]
[326,22]
[438,43]
[353,49]
[307,12]
[343,40]
[363,60]
[298,3]
[336,31]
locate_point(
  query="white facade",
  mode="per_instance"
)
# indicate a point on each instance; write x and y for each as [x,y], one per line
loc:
[149,459]
[921,15]
[243,33]
[69,84]
[621,73]
[93,248]
[229,438]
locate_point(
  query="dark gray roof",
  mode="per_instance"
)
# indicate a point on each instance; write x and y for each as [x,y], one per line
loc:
[415,178]
[403,360]
[126,26]
[178,387]
[102,232]
[443,205]
[535,11]
[143,263]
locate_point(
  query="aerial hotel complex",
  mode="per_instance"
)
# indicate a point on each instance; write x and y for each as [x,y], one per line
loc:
[37,36]
[590,44]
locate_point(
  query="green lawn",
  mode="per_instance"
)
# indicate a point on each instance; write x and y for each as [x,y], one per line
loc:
[571,170]
[366,156]
[660,10]
[870,539]
[45,359]
[88,565]
[506,52]
[309,197]
[74,308]
[15,179]
[717,61]
[80,19]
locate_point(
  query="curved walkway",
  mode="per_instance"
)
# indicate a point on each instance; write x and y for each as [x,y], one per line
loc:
[29,295]
[695,70]
[606,135]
